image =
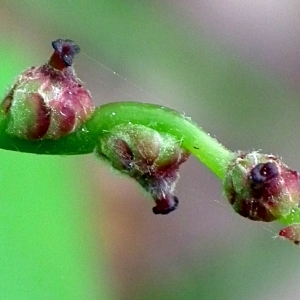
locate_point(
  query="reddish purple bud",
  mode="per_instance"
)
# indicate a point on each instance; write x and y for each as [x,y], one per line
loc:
[151,158]
[291,233]
[260,187]
[48,102]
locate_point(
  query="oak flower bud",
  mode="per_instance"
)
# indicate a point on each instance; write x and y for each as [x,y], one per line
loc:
[49,101]
[291,233]
[260,187]
[150,157]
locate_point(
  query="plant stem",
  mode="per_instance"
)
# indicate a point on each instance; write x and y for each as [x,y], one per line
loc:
[191,136]
[293,217]
[165,120]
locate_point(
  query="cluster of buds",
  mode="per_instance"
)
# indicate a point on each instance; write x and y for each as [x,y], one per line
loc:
[49,101]
[260,187]
[151,158]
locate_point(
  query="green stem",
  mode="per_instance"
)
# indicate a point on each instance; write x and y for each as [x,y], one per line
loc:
[293,217]
[191,136]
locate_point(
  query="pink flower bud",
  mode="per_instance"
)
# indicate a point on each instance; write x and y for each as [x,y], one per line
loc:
[49,101]
[260,187]
[291,233]
[151,158]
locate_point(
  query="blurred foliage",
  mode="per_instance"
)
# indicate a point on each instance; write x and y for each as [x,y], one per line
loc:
[47,249]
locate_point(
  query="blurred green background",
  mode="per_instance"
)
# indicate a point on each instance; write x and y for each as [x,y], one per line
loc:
[70,228]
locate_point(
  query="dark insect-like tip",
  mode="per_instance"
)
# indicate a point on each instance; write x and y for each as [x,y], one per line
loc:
[165,206]
[263,172]
[66,49]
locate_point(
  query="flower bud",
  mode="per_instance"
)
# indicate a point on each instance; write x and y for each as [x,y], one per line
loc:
[260,187]
[291,233]
[48,102]
[151,158]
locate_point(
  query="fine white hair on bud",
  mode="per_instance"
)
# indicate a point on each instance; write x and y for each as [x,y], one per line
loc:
[260,187]
[150,157]
[49,101]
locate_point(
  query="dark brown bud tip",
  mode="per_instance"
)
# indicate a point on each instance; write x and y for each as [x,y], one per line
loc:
[263,172]
[65,51]
[166,205]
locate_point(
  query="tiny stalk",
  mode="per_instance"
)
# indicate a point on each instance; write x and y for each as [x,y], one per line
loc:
[48,111]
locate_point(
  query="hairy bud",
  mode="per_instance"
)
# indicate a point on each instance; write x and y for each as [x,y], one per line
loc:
[151,158]
[48,102]
[260,187]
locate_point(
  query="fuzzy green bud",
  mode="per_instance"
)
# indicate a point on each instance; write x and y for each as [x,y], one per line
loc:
[260,187]
[49,101]
[150,157]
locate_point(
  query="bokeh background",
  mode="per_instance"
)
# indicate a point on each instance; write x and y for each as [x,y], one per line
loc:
[71,228]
